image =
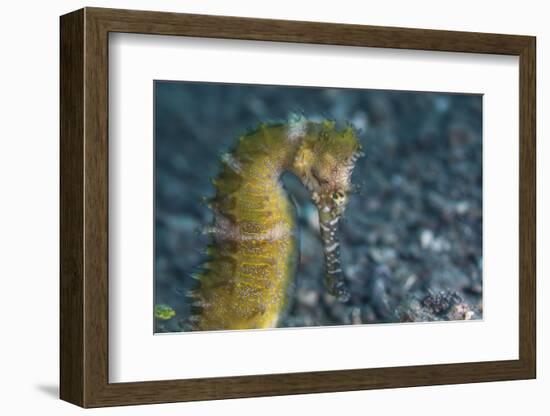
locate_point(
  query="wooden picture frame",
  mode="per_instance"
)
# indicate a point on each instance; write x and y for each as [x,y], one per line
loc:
[84,207]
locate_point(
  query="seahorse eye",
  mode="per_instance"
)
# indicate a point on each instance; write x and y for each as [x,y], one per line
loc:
[338,197]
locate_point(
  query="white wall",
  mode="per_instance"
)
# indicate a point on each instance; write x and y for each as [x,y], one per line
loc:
[29,208]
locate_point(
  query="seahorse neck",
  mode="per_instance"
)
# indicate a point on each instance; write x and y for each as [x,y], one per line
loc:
[268,153]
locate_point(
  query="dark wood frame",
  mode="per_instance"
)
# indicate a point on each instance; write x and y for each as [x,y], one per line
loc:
[84,207]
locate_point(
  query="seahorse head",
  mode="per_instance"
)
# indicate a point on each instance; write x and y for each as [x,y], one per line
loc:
[324,163]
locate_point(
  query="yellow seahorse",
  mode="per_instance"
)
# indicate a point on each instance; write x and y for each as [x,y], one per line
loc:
[253,254]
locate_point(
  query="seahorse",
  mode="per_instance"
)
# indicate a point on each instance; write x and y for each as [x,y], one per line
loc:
[253,253]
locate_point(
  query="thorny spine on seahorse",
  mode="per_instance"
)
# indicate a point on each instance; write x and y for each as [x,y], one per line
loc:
[253,251]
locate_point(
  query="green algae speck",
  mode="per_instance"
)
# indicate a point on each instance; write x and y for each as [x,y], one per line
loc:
[164,312]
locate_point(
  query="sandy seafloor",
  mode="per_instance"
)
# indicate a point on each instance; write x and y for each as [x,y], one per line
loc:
[411,238]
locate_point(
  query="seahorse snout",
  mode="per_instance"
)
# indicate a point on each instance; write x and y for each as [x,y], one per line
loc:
[334,276]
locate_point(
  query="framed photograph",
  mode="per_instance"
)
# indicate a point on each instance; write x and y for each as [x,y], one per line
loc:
[255,207]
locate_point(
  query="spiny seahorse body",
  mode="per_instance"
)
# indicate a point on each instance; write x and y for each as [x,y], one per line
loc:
[253,254]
